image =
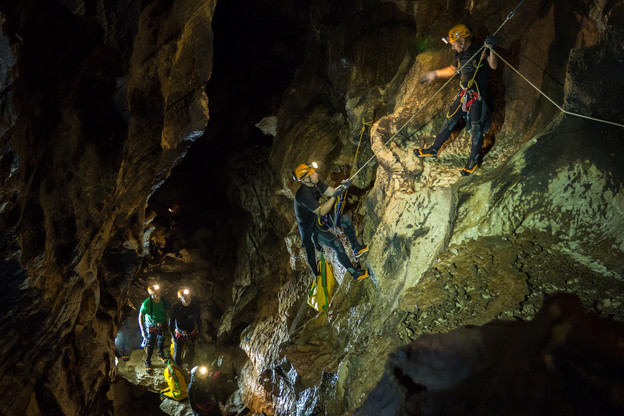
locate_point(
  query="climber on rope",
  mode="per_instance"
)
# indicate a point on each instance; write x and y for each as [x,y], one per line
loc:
[153,324]
[185,325]
[315,220]
[474,98]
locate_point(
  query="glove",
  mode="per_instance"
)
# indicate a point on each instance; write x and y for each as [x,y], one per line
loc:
[427,77]
[490,41]
[340,190]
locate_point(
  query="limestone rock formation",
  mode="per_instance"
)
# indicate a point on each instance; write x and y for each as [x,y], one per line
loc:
[100,100]
[448,251]
[564,362]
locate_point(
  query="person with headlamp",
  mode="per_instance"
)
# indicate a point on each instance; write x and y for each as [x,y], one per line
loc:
[153,324]
[474,98]
[203,392]
[315,218]
[185,324]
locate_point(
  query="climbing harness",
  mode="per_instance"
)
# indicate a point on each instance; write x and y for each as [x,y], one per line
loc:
[509,17]
[467,98]
[329,221]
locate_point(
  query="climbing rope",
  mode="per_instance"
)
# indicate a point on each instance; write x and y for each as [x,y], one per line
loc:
[343,197]
[509,17]
[553,102]
[364,124]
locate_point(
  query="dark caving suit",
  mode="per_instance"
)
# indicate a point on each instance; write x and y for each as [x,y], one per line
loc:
[306,201]
[474,100]
[185,327]
[202,394]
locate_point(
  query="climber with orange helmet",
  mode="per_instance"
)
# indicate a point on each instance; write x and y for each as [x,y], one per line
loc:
[185,325]
[153,324]
[309,212]
[474,99]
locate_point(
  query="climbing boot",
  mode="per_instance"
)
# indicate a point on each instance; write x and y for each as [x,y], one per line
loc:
[148,367]
[428,152]
[161,357]
[470,167]
[360,250]
[360,274]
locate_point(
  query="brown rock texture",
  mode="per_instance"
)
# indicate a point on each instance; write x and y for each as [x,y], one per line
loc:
[100,100]
[99,103]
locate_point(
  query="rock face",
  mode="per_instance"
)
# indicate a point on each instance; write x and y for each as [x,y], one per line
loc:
[563,362]
[100,100]
[541,215]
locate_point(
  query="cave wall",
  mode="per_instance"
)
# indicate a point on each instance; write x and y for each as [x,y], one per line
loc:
[541,215]
[95,117]
[100,100]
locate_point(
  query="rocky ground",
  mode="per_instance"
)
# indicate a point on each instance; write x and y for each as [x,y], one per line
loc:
[502,278]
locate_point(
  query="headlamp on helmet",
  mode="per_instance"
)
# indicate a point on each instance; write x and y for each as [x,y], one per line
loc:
[183,292]
[303,170]
[152,288]
[200,372]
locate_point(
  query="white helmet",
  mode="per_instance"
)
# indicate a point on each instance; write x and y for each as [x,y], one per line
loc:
[199,372]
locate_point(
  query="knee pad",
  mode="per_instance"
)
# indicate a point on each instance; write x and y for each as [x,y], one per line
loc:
[476,130]
[477,139]
[449,124]
[345,221]
[335,244]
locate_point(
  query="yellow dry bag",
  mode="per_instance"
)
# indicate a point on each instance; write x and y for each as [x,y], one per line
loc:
[177,389]
[322,290]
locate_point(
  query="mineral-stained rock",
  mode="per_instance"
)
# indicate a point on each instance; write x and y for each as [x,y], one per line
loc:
[100,99]
[565,361]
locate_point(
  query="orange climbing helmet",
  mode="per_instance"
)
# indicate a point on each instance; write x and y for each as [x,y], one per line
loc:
[304,170]
[152,288]
[457,32]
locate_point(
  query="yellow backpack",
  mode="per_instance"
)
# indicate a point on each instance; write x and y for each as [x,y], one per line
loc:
[178,389]
[322,290]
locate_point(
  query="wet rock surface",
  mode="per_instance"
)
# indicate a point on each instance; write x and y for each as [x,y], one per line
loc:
[100,100]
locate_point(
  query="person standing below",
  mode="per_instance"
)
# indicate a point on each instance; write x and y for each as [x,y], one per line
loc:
[153,324]
[474,98]
[185,325]
[202,392]
[311,215]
